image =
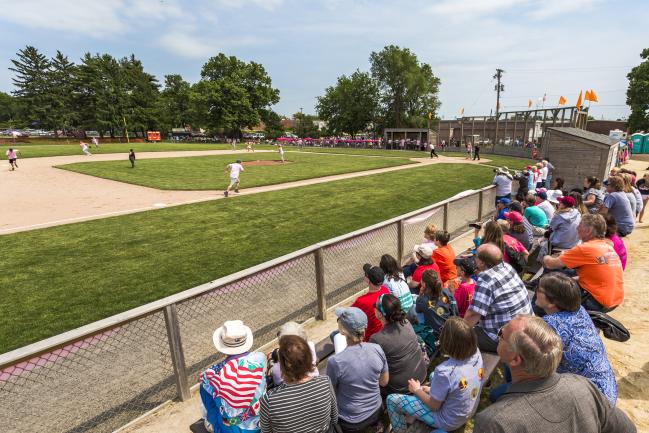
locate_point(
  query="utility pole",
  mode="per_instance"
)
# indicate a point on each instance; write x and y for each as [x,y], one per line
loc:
[498,88]
[301,129]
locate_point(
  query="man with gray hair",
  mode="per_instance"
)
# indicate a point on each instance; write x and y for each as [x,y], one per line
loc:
[499,295]
[539,399]
[597,265]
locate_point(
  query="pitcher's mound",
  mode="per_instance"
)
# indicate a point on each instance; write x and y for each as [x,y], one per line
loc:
[264,162]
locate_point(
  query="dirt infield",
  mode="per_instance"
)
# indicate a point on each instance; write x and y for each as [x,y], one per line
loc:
[44,196]
[264,162]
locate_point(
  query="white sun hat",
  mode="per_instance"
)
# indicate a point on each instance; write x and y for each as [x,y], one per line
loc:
[233,338]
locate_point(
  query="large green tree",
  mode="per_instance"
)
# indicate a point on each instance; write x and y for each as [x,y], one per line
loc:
[8,110]
[175,102]
[31,69]
[305,125]
[232,94]
[408,88]
[637,95]
[273,124]
[352,105]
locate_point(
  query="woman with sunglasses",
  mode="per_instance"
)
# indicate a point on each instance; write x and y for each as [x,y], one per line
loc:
[399,343]
[583,351]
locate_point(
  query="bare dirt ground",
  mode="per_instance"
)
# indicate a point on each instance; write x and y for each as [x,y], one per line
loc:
[39,195]
[631,359]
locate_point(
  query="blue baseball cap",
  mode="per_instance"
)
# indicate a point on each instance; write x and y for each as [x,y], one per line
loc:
[505,201]
[352,318]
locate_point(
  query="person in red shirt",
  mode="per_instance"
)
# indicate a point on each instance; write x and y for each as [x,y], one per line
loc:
[423,257]
[374,277]
[466,269]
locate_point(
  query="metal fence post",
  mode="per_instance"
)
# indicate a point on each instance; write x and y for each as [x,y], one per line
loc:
[445,226]
[320,285]
[176,350]
[480,204]
[400,240]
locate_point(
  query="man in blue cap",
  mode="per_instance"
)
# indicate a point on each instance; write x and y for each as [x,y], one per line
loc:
[502,206]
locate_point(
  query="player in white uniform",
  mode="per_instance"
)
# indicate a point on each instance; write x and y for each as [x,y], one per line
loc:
[235,168]
[95,142]
[84,148]
[280,149]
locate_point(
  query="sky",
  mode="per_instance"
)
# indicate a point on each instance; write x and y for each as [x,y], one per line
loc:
[551,47]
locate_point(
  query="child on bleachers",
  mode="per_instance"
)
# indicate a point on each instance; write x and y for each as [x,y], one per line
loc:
[444,256]
[454,385]
[435,304]
[464,294]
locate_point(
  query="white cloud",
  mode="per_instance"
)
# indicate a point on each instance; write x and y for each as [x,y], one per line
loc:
[269,5]
[186,44]
[549,8]
[464,8]
[95,18]
[537,9]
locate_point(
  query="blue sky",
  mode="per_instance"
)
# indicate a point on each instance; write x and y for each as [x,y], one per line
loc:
[545,46]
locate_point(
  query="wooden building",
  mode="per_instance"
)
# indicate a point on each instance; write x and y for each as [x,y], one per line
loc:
[577,153]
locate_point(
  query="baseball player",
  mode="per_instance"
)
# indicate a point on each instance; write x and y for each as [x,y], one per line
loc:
[234,168]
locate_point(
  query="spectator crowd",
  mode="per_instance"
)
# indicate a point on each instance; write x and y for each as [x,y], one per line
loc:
[410,348]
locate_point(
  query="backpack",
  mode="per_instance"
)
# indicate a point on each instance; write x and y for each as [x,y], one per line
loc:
[516,259]
[612,329]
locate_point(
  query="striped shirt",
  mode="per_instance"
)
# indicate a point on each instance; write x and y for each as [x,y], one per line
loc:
[308,407]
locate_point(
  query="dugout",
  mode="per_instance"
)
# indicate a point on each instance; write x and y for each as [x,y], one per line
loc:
[577,153]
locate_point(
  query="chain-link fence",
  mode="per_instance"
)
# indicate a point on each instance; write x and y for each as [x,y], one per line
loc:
[104,375]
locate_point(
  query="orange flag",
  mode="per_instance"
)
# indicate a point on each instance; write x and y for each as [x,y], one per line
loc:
[587,96]
[593,96]
[579,100]
[562,100]
[529,103]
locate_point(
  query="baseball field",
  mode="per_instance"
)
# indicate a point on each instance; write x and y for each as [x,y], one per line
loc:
[58,278]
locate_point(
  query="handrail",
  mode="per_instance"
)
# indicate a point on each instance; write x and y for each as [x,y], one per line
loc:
[24,353]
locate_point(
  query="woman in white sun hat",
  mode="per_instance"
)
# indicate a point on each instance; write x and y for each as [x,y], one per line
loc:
[231,389]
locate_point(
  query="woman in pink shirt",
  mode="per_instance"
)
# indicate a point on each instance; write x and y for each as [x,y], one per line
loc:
[614,239]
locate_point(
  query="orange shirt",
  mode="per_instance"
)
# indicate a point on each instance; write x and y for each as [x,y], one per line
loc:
[599,270]
[444,257]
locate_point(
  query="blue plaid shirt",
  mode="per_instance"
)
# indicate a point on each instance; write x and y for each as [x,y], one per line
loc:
[499,296]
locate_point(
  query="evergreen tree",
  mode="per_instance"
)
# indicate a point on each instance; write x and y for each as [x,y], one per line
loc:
[31,80]
[61,95]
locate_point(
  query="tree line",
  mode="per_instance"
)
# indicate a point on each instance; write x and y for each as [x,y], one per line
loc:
[109,95]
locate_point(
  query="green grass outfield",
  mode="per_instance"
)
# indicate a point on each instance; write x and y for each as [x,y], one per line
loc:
[208,172]
[59,278]
[36,150]
[496,160]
